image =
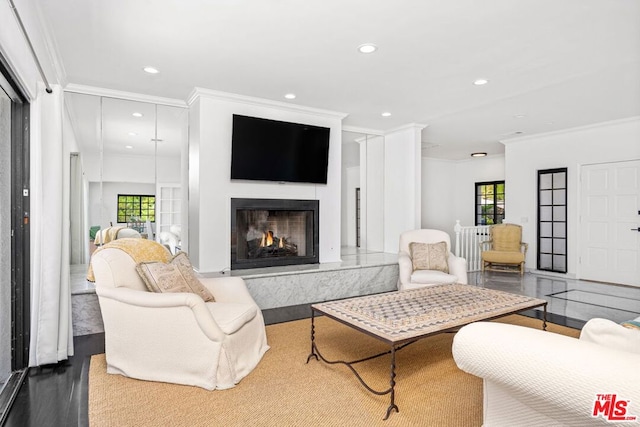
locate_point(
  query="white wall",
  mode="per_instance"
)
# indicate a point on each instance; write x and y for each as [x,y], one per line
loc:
[211,189]
[607,142]
[448,189]
[402,183]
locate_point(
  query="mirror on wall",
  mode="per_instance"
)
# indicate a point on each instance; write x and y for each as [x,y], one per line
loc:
[128,172]
[362,193]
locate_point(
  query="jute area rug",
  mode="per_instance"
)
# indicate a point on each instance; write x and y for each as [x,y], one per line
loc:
[285,391]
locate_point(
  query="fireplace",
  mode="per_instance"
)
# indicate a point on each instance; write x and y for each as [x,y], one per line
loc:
[273,232]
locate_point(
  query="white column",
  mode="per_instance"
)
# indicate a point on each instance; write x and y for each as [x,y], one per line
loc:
[402,183]
[372,193]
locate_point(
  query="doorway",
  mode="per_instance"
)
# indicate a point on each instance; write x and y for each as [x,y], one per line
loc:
[14,236]
[610,222]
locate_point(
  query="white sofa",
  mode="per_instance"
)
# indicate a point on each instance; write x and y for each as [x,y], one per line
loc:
[176,337]
[410,279]
[537,378]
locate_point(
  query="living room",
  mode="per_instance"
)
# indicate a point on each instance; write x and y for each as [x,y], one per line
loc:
[567,100]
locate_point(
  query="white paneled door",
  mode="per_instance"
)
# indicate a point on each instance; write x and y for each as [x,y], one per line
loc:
[609,222]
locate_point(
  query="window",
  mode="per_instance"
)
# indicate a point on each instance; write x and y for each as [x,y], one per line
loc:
[552,220]
[136,208]
[489,202]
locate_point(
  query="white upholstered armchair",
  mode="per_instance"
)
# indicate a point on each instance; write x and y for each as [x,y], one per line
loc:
[176,337]
[537,378]
[410,277]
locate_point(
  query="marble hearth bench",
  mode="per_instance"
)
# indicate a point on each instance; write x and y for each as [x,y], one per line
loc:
[271,288]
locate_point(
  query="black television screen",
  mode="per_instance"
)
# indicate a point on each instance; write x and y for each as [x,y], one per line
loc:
[271,150]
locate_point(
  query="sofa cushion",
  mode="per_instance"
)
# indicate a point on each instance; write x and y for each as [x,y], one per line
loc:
[429,256]
[609,334]
[232,316]
[501,257]
[175,276]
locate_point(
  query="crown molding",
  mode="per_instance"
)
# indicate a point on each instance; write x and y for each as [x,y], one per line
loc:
[199,92]
[118,94]
[366,131]
[408,126]
[568,130]
[366,138]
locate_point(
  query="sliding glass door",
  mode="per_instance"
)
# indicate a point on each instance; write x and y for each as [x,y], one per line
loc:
[14,228]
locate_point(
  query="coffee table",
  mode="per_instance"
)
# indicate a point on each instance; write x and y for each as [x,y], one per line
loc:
[403,317]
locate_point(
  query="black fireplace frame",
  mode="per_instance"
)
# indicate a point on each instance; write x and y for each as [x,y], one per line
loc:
[275,205]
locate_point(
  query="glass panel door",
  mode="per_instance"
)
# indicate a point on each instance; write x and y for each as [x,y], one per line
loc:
[552,220]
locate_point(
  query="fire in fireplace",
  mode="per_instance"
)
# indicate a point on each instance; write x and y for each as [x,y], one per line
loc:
[271,232]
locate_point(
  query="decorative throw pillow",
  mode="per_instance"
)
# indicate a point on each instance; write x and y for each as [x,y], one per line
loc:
[612,335]
[429,256]
[175,276]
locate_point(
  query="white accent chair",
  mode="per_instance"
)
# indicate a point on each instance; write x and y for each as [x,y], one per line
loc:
[410,279]
[176,337]
[172,238]
[537,378]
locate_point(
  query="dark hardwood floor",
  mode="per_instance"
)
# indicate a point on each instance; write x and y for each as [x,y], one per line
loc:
[56,395]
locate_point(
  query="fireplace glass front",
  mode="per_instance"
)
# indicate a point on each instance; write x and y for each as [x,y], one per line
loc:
[273,232]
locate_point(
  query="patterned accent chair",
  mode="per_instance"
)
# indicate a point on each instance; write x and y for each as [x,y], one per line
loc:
[174,337]
[412,277]
[505,248]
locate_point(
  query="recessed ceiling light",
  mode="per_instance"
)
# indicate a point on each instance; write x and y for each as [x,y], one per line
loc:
[151,70]
[367,48]
[519,116]
[132,134]
[137,114]
[478,154]
[128,147]
[386,114]
[290,96]
[481,82]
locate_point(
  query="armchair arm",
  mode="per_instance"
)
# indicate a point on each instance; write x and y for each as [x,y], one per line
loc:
[524,247]
[458,267]
[405,267]
[553,374]
[131,300]
[228,289]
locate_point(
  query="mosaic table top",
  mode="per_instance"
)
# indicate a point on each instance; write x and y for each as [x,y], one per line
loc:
[402,315]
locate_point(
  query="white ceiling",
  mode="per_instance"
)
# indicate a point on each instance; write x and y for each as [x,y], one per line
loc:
[560,63]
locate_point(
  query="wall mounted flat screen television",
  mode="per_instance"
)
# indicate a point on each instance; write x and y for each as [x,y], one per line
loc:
[271,150]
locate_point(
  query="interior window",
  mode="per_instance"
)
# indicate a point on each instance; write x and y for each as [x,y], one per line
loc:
[136,208]
[489,202]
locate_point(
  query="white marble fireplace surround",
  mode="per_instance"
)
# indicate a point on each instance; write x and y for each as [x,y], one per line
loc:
[273,287]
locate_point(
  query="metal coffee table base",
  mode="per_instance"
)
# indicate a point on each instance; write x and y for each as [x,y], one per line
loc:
[315,353]
[401,318]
